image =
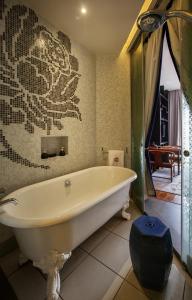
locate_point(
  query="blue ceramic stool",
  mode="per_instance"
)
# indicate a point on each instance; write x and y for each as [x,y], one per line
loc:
[151,251]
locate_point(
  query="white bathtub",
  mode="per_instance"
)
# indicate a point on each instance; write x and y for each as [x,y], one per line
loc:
[50,219]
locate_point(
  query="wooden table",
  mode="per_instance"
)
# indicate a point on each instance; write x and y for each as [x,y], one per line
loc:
[174,149]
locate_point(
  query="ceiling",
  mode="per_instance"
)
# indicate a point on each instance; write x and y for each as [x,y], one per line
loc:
[103,29]
[169,76]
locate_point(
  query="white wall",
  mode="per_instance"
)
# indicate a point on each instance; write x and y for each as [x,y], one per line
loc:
[169,78]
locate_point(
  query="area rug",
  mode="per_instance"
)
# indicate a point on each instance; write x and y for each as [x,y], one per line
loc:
[168,197]
[165,184]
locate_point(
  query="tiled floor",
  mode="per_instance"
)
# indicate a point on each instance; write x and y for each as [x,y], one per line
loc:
[170,214]
[99,269]
[162,182]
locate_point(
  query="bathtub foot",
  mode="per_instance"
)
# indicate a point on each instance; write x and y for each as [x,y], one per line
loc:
[125,215]
[22,259]
[51,265]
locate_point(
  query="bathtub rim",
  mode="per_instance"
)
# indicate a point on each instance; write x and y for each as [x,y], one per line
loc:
[20,222]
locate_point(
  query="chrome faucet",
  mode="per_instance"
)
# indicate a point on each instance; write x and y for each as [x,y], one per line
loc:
[67,182]
[7,201]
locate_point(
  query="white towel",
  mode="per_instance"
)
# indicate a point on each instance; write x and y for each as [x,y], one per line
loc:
[116,158]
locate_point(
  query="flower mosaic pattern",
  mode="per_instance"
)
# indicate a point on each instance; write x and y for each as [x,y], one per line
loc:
[38,73]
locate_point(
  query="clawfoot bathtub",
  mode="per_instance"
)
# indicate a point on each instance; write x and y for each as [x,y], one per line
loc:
[53,217]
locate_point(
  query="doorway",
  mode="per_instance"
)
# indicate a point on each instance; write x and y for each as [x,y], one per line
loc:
[164,151]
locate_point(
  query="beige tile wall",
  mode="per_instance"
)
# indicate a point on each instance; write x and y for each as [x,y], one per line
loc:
[81,134]
[113,116]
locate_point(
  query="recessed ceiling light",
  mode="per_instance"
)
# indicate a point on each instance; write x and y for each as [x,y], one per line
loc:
[83,10]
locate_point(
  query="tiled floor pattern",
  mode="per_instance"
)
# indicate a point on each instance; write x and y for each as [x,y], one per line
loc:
[170,214]
[99,269]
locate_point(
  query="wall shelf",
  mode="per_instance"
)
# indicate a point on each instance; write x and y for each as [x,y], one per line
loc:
[52,145]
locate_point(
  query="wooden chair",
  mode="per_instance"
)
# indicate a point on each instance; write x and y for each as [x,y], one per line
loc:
[177,150]
[162,159]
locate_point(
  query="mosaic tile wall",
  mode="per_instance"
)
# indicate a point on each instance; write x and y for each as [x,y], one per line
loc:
[39,76]
[47,87]
[113,117]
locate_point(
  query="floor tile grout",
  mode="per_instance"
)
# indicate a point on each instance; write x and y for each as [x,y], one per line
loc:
[40,272]
[111,230]
[108,235]
[133,284]
[175,231]
[97,244]
[60,297]
[130,283]
[89,254]
[124,279]
[118,290]
[105,266]
[76,266]
[142,292]
[119,236]
[18,269]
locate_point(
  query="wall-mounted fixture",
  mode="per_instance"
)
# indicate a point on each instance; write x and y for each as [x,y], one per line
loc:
[54,146]
[151,20]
